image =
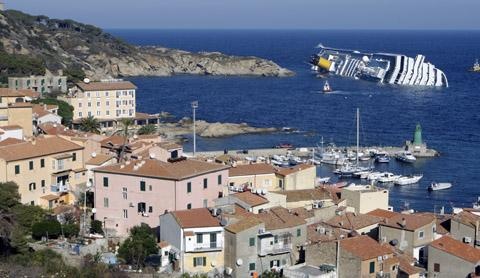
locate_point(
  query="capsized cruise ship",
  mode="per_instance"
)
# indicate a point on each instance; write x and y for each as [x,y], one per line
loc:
[379,67]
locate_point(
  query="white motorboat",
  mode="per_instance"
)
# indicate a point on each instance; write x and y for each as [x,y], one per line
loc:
[362,174]
[412,179]
[382,157]
[323,180]
[374,176]
[434,186]
[326,88]
[405,156]
[388,178]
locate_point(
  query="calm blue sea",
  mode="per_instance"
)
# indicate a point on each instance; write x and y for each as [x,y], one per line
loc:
[450,117]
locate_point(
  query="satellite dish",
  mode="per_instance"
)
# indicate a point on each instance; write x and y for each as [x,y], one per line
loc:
[152,155]
[86,80]
[94,210]
[213,263]
[239,262]
[94,154]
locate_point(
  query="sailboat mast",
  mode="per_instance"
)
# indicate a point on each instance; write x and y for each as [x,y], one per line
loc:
[358,131]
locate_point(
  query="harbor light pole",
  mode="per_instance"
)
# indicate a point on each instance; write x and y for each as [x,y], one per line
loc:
[194,108]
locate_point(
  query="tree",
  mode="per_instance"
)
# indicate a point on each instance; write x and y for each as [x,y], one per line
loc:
[138,245]
[126,123]
[147,129]
[49,228]
[65,110]
[96,227]
[9,198]
[71,230]
[26,216]
[90,124]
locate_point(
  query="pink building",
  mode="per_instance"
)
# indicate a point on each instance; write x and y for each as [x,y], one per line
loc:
[139,191]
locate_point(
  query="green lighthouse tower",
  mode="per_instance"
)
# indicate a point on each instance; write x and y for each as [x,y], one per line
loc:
[417,137]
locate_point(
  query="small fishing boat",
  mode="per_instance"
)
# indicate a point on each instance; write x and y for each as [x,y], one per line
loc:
[362,174]
[382,157]
[406,157]
[326,87]
[323,180]
[476,66]
[388,178]
[374,176]
[405,180]
[439,186]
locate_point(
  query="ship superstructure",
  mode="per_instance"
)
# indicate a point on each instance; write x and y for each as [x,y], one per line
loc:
[379,67]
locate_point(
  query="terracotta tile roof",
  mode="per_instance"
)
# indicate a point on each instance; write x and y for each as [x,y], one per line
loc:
[382,213]
[50,197]
[306,194]
[113,140]
[10,127]
[412,221]
[443,221]
[43,146]
[10,141]
[145,116]
[457,249]
[364,247]
[99,159]
[352,221]
[41,109]
[163,244]
[294,169]
[7,92]
[57,129]
[243,224]
[106,86]
[303,213]
[315,235]
[189,233]
[251,199]
[279,218]
[168,146]
[195,218]
[252,169]
[164,170]
[467,218]
[20,105]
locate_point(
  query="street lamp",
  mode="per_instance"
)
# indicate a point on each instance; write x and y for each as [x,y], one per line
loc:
[194,107]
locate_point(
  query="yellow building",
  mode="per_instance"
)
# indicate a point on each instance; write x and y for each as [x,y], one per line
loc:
[106,101]
[15,109]
[258,175]
[47,170]
[301,176]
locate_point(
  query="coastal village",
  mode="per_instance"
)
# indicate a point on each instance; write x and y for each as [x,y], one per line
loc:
[218,215]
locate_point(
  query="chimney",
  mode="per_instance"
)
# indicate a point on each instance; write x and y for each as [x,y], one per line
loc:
[404,222]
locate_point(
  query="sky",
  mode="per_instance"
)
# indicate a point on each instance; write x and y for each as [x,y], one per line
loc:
[261,14]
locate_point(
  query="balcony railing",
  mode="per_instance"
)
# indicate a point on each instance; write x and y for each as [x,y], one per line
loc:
[59,188]
[207,246]
[276,248]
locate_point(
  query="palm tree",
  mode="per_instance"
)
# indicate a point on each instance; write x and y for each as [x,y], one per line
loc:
[126,123]
[147,129]
[90,124]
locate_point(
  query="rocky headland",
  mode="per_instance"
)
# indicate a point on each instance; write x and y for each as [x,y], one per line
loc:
[54,44]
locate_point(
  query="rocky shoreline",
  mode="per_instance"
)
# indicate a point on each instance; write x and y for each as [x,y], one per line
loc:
[205,129]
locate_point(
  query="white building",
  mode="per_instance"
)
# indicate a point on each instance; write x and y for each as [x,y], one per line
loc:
[198,235]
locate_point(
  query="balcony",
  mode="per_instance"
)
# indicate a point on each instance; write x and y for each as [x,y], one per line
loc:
[209,246]
[270,244]
[59,188]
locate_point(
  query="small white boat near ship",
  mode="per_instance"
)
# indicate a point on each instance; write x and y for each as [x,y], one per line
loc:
[405,156]
[326,88]
[388,178]
[374,176]
[434,186]
[382,157]
[323,180]
[405,180]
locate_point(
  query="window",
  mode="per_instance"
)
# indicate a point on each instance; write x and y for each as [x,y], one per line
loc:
[219,179]
[105,181]
[142,186]
[43,183]
[42,163]
[74,156]
[17,169]
[89,104]
[80,114]
[89,113]
[274,263]
[105,202]
[98,113]
[150,209]
[266,182]
[189,206]
[31,186]
[189,187]
[106,94]
[79,105]
[275,239]
[142,207]
[199,261]
[372,267]
[436,267]
[98,103]
[125,213]
[107,113]
[150,188]
[251,241]
[199,238]
[205,183]
[251,267]
[205,203]
[88,94]
[420,234]
[299,232]
[107,103]
[124,193]
[30,165]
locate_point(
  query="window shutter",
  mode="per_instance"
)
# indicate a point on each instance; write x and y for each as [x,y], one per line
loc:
[204,261]
[194,262]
